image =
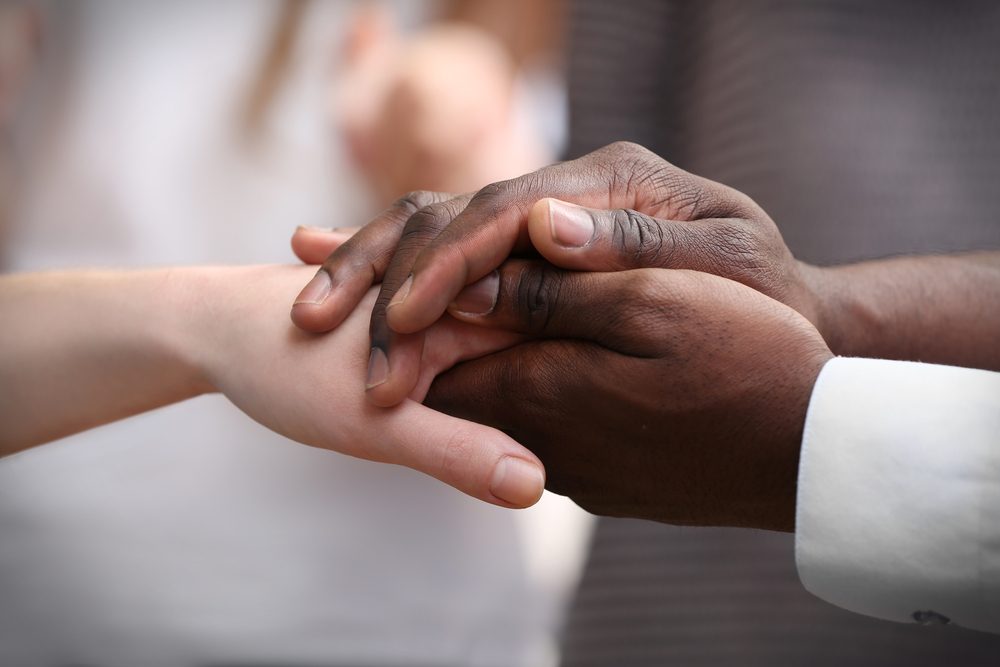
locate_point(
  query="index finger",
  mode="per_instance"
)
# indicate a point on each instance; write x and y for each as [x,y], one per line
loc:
[355,265]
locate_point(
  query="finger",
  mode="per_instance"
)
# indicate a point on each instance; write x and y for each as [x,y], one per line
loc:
[312,245]
[392,377]
[355,266]
[495,221]
[499,390]
[524,392]
[450,342]
[588,239]
[617,310]
[398,355]
[475,459]
[585,239]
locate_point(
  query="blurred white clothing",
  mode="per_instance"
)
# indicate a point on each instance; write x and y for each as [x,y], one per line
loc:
[191,535]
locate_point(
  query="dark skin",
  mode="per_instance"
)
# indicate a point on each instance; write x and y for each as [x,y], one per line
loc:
[447,243]
[639,211]
[642,400]
[648,214]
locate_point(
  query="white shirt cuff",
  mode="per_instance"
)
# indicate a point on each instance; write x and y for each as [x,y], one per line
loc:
[898,511]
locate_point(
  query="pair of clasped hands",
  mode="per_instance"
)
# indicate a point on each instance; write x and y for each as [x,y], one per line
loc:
[612,328]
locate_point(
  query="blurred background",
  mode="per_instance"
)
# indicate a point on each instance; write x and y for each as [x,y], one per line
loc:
[163,133]
[138,133]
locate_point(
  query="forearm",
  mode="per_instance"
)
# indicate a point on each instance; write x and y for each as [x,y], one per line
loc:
[79,349]
[82,349]
[937,309]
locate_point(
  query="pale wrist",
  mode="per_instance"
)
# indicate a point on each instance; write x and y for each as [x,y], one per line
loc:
[223,315]
[195,305]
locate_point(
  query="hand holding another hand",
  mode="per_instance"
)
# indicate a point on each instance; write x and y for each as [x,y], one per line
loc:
[669,395]
[672,395]
[306,387]
[621,207]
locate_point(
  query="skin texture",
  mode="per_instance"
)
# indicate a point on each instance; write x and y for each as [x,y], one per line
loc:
[82,348]
[445,244]
[608,440]
[937,309]
[643,213]
[669,395]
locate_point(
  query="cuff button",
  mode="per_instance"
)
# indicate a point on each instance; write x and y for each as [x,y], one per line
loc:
[928,617]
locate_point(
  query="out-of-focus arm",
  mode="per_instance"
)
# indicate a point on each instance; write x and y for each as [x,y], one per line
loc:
[83,348]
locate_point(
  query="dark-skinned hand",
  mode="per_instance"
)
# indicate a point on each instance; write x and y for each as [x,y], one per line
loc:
[668,395]
[675,396]
[659,216]
[632,210]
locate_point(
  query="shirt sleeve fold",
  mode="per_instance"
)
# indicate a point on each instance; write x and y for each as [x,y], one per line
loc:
[898,510]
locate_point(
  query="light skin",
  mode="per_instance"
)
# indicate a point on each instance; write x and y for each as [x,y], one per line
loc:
[623,208]
[84,348]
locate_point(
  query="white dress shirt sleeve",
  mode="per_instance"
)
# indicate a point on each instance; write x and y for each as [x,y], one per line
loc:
[898,512]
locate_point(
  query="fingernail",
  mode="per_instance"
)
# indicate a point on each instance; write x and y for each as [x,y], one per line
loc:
[517,482]
[317,290]
[402,292]
[378,368]
[479,298]
[572,226]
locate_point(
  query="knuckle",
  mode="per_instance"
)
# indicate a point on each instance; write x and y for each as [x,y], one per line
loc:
[629,150]
[744,256]
[376,242]
[683,195]
[537,297]
[490,193]
[491,190]
[500,194]
[458,449]
[737,244]
[694,198]
[641,241]
[639,173]
[425,224]
[692,201]
[415,200]
[737,204]
[661,186]
[493,198]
